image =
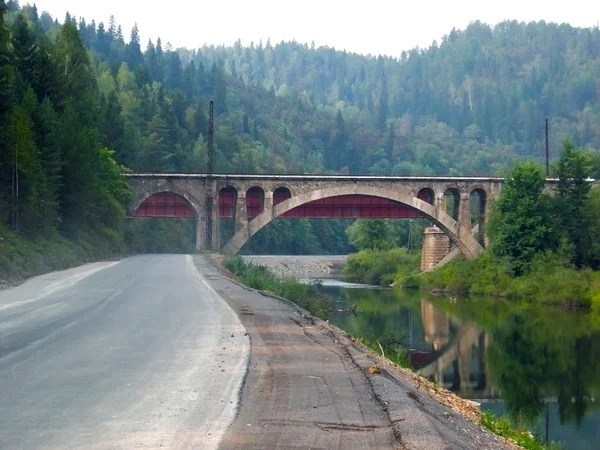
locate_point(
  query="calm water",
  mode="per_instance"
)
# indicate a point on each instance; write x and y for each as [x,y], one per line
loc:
[537,365]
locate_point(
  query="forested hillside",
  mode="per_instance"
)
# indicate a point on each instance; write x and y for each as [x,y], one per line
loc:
[75,91]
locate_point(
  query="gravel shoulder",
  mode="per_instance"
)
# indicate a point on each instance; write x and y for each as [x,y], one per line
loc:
[308,386]
[294,265]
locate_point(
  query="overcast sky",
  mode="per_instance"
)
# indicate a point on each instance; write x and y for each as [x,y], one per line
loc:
[374,26]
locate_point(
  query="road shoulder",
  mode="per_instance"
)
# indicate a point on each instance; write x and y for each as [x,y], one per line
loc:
[308,386]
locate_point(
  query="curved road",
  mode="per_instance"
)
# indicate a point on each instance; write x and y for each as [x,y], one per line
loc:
[136,354]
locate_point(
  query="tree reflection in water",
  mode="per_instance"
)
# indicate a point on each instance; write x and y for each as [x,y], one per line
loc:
[519,354]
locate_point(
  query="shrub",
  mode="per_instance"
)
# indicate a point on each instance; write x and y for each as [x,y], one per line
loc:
[380,267]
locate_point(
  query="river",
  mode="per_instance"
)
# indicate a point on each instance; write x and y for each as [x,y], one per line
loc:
[540,366]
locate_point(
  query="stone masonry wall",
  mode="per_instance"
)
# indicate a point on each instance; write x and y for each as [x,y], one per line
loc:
[436,245]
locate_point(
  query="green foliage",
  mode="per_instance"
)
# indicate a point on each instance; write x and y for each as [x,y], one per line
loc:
[503,427]
[22,258]
[551,279]
[380,267]
[259,277]
[372,234]
[518,228]
[573,170]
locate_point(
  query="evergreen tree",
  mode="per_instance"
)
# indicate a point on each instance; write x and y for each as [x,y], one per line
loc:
[29,179]
[200,120]
[112,28]
[573,170]
[518,226]
[246,126]
[134,51]
[46,129]
[220,88]
[24,49]
[173,71]
[102,40]
[390,142]
[7,78]
[112,128]
[255,134]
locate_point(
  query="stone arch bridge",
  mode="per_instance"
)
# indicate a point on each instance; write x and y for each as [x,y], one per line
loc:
[252,201]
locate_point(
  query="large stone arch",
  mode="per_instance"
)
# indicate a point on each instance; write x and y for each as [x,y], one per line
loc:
[464,240]
[140,197]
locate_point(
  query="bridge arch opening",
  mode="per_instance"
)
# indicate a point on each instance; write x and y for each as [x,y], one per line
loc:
[227,201]
[427,195]
[227,212]
[165,204]
[452,202]
[280,195]
[255,201]
[163,222]
[478,203]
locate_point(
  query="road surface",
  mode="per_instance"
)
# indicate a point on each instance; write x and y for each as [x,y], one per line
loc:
[165,352]
[136,354]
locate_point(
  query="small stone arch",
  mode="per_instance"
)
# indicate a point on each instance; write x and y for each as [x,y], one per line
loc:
[281,194]
[227,201]
[462,238]
[427,194]
[478,200]
[255,201]
[452,202]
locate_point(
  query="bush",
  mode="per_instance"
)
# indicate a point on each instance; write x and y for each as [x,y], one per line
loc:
[551,279]
[380,267]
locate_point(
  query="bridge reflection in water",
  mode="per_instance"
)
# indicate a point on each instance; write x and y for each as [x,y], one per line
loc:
[538,365]
[457,361]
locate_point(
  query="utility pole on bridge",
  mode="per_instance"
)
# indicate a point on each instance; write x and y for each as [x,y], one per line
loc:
[547,151]
[209,179]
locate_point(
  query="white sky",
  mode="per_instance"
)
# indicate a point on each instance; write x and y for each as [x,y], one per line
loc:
[375,26]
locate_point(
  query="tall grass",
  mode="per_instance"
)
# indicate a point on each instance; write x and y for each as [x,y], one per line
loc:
[259,277]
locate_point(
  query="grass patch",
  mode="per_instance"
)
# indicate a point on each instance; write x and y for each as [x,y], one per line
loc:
[503,427]
[259,277]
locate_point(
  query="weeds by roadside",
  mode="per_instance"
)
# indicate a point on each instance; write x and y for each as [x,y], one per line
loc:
[259,277]
[524,438]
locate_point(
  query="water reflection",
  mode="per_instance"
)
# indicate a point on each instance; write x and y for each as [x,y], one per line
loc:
[539,365]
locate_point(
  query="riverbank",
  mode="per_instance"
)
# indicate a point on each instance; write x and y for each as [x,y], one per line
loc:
[402,392]
[299,266]
[550,281]
[380,267]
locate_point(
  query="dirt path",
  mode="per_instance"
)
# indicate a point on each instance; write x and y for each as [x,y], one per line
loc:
[308,387]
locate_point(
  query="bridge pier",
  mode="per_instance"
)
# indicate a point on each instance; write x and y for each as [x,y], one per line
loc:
[200,234]
[436,245]
[241,212]
[202,230]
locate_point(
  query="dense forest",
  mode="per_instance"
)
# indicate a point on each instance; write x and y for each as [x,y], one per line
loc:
[82,101]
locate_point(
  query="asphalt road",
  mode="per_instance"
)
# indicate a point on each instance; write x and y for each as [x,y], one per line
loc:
[136,354]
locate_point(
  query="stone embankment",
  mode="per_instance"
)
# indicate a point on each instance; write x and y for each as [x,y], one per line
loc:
[300,265]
